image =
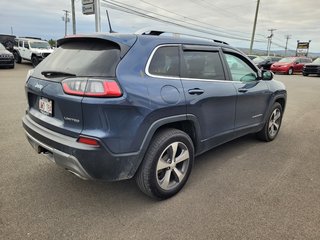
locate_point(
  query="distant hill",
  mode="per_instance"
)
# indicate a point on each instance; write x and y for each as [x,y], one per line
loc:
[276,52]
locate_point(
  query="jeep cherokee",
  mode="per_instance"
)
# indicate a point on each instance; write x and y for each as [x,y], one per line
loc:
[117,106]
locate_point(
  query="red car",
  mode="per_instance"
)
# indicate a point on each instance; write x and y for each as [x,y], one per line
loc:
[289,65]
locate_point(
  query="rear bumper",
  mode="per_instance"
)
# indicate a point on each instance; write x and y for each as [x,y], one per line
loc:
[62,159]
[87,162]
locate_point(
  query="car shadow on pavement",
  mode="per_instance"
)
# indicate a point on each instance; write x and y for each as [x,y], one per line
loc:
[59,181]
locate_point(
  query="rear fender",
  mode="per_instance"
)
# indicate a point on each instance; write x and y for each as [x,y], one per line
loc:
[157,125]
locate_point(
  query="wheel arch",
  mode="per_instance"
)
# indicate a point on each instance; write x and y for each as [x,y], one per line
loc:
[282,101]
[16,51]
[281,98]
[185,123]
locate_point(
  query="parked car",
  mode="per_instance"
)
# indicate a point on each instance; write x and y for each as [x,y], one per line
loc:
[31,49]
[252,56]
[115,106]
[6,57]
[7,41]
[290,65]
[265,62]
[312,68]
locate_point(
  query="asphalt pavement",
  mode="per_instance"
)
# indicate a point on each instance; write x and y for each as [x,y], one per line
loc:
[245,189]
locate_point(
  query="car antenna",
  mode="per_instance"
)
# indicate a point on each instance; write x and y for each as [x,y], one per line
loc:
[110,28]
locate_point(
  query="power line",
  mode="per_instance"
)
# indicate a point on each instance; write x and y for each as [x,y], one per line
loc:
[141,12]
[192,19]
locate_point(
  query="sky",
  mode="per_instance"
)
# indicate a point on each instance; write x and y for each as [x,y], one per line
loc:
[230,21]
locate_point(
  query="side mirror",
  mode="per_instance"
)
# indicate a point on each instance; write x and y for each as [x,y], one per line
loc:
[267,75]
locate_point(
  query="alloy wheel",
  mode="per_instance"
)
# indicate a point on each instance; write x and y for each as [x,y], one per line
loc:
[172,165]
[274,122]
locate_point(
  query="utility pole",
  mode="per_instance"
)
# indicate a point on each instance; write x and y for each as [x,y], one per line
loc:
[73,17]
[270,39]
[97,15]
[254,26]
[66,19]
[287,37]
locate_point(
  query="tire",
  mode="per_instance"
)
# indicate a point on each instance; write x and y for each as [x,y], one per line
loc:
[273,124]
[161,175]
[34,61]
[305,74]
[17,57]
[290,71]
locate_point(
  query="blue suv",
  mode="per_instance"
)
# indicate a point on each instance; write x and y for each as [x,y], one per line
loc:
[117,106]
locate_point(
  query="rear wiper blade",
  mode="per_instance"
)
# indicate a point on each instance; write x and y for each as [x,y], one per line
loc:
[53,74]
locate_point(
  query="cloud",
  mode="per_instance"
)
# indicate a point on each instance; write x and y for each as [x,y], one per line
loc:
[43,18]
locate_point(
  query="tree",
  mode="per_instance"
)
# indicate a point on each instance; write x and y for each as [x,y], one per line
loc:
[53,43]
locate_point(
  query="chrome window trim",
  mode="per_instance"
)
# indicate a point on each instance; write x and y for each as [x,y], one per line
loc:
[177,78]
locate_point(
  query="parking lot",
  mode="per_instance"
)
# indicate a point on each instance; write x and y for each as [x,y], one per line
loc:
[245,189]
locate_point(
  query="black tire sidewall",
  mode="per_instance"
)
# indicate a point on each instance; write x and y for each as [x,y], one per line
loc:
[155,188]
[17,57]
[34,61]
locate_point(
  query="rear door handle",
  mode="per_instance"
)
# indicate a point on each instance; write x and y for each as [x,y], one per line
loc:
[242,90]
[195,91]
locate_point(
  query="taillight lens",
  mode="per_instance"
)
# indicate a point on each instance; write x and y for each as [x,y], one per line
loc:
[91,87]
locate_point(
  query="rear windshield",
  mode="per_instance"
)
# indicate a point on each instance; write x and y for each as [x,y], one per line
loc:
[83,58]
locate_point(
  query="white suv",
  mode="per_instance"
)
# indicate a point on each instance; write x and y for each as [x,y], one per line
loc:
[31,49]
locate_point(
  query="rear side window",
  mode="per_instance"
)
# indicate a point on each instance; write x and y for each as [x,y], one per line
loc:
[165,62]
[202,65]
[93,58]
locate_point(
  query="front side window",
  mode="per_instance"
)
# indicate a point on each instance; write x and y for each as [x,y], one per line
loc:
[239,69]
[165,62]
[26,44]
[202,65]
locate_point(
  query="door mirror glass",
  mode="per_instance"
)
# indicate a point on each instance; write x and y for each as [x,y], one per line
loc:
[267,75]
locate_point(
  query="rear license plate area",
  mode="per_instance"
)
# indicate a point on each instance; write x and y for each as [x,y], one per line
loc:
[46,106]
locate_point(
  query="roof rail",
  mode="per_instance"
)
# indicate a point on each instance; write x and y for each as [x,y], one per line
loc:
[158,32]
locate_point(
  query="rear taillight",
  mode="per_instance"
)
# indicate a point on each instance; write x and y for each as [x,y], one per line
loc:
[91,87]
